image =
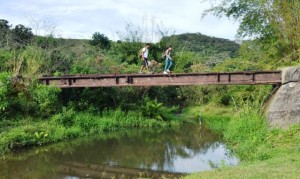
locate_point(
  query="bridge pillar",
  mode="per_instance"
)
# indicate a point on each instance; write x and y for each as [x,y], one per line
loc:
[284,108]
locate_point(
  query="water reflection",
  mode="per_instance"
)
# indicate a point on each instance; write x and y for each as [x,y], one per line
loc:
[125,154]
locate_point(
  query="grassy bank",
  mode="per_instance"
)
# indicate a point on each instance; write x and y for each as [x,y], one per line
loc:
[264,152]
[69,124]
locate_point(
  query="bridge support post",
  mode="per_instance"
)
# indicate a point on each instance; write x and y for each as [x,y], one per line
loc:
[284,108]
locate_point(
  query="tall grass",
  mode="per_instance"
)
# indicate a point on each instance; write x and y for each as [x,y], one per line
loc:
[244,127]
[275,156]
[245,133]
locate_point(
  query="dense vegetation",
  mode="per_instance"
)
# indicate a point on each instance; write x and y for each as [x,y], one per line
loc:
[33,114]
[264,152]
[212,50]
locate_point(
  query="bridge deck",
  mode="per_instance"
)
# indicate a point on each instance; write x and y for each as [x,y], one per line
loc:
[118,80]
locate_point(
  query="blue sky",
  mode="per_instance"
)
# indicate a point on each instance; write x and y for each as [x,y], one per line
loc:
[81,18]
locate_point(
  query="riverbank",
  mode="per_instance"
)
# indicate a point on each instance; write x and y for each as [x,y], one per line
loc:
[264,152]
[69,124]
[158,153]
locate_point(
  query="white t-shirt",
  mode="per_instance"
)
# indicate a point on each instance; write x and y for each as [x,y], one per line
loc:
[145,52]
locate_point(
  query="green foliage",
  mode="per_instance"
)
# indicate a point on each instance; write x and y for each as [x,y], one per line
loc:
[79,112]
[14,38]
[47,42]
[154,109]
[277,157]
[20,98]
[199,53]
[275,24]
[128,51]
[22,35]
[245,134]
[30,61]
[5,57]
[4,32]
[216,117]
[185,61]
[203,45]
[14,98]
[46,99]
[253,56]
[241,122]
[100,40]
[66,118]
[4,90]
[203,95]
[69,124]
[24,136]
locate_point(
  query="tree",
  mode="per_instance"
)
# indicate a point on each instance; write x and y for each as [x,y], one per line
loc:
[100,40]
[4,33]
[22,35]
[273,22]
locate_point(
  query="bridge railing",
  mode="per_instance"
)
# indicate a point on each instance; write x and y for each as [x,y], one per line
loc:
[115,80]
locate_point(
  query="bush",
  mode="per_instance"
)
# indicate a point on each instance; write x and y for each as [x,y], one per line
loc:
[87,122]
[5,57]
[4,89]
[154,109]
[46,99]
[66,118]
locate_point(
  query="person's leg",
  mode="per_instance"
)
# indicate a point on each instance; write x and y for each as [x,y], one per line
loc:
[141,69]
[143,66]
[170,64]
[146,64]
[167,64]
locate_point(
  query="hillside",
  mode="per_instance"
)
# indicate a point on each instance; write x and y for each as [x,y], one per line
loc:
[202,44]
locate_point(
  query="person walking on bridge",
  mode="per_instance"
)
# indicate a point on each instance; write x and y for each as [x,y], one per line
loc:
[169,60]
[144,55]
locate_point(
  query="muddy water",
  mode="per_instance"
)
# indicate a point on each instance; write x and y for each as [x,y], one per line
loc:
[124,154]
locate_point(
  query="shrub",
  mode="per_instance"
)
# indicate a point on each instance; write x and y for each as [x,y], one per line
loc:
[4,89]
[45,98]
[66,118]
[156,110]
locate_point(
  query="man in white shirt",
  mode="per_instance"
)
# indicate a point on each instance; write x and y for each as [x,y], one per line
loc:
[144,56]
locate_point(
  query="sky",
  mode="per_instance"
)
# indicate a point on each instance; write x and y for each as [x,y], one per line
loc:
[79,19]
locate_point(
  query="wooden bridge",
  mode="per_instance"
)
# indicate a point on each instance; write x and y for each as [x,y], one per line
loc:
[176,79]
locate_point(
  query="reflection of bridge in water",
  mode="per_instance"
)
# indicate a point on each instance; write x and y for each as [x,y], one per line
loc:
[176,79]
[75,169]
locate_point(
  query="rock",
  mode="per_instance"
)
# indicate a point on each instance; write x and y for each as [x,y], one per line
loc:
[291,74]
[284,108]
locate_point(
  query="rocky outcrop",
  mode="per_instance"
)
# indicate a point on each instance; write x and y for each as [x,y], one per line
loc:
[284,108]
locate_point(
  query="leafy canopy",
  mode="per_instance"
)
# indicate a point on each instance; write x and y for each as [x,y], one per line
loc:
[273,22]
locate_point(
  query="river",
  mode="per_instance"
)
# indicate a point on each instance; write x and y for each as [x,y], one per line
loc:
[153,153]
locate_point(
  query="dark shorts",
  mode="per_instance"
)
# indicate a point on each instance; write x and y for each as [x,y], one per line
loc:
[145,62]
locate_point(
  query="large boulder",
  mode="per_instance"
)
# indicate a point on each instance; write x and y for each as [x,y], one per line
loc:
[284,108]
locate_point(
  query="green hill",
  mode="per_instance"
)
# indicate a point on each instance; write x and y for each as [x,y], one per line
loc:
[204,45]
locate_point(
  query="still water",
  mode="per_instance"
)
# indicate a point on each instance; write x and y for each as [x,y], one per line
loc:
[123,154]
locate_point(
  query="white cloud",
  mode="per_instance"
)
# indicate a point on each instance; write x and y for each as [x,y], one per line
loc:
[80,19]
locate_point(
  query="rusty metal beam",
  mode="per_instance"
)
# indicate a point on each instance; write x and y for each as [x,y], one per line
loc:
[118,80]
